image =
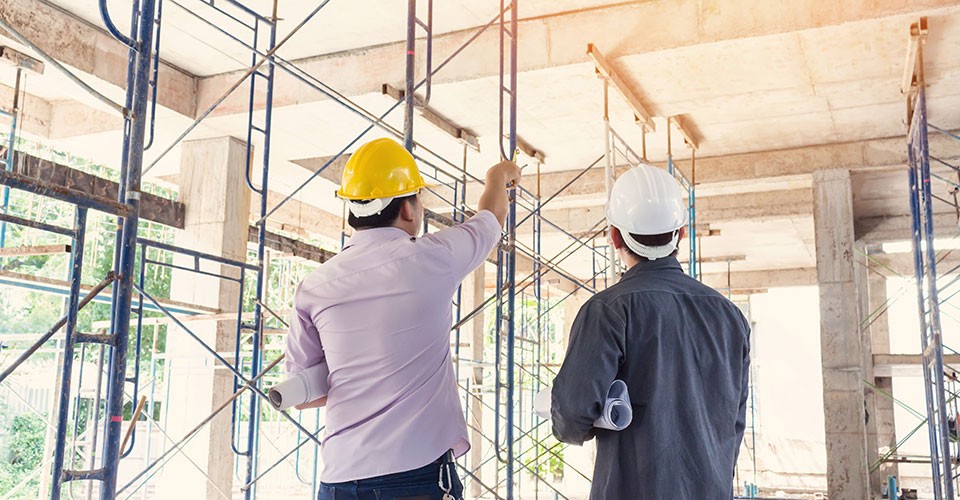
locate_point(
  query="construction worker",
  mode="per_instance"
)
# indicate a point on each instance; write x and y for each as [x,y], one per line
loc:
[681,347]
[379,314]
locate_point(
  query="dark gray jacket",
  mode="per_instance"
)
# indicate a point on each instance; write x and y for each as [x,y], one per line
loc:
[683,350]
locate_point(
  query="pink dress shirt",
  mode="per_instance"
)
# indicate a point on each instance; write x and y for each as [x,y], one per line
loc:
[379,314]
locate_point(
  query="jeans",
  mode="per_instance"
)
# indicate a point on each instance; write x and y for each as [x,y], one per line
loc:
[417,484]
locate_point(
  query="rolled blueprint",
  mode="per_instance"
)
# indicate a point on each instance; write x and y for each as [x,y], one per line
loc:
[301,388]
[617,412]
[542,403]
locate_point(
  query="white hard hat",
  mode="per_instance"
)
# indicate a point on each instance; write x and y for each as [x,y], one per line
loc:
[647,200]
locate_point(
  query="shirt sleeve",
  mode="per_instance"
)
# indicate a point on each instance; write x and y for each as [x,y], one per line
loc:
[595,354]
[469,243]
[304,348]
[744,390]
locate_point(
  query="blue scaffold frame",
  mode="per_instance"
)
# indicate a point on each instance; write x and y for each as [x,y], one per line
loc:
[516,367]
[925,258]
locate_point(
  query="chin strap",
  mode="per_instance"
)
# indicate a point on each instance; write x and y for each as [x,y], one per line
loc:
[652,253]
[368,208]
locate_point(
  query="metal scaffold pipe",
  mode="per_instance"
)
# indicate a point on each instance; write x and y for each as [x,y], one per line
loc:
[124,287]
[76,271]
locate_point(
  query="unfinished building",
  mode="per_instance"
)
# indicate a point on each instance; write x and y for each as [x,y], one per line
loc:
[169,169]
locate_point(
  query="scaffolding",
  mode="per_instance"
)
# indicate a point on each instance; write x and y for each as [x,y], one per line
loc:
[934,219]
[516,358]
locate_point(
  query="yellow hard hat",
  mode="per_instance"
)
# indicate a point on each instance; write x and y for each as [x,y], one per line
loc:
[381,168]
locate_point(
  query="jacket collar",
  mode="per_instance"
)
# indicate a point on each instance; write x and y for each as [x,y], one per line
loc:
[645,266]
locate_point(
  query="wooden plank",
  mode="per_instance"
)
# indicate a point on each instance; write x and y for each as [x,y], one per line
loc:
[34,250]
[683,126]
[605,70]
[434,118]
[530,151]
[21,60]
[918,35]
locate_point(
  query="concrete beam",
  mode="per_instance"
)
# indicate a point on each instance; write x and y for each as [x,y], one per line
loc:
[723,259]
[92,51]
[57,119]
[756,171]
[73,118]
[560,40]
[779,171]
[299,218]
[763,206]
[153,208]
[907,365]
[332,173]
[765,279]
[901,264]
[295,218]
[37,115]
[875,230]
[783,176]
[740,281]
[290,246]
[770,205]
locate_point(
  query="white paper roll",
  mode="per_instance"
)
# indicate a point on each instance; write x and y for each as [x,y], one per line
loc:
[617,412]
[542,403]
[301,388]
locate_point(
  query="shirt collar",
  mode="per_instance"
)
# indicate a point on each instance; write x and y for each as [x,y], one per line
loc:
[666,263]
[376,235]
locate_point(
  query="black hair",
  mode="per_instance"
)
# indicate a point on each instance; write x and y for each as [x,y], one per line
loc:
[651,240]
[386,218]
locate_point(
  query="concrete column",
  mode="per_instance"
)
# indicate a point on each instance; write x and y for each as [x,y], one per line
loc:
[841,349]
[870,397]
[473,296]
[880,340]
[217,209]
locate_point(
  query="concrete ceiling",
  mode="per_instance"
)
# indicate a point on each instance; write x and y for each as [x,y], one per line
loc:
[769,89]
[190,43]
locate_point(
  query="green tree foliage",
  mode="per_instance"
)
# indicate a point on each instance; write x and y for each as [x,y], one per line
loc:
[21,451]
[29,313]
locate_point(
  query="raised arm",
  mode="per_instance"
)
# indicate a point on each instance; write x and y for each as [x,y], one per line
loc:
[494,197]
